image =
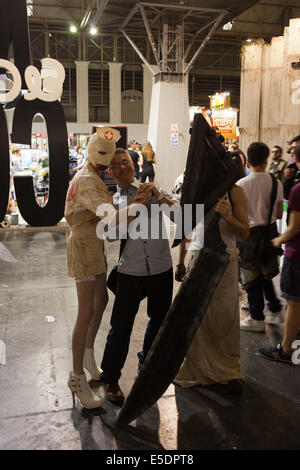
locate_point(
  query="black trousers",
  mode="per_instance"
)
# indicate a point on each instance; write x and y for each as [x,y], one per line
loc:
[147,172]
[131,290]
[256,293]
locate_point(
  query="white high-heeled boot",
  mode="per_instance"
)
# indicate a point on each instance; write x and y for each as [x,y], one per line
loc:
[89,363]
[79,386]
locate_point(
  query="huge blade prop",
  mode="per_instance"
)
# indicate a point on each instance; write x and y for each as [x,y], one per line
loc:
[210,172]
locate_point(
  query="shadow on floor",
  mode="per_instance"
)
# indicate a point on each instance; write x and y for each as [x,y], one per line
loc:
[210,418]
[97,429]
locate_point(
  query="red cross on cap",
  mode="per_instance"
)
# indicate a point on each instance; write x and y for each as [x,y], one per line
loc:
[108,135]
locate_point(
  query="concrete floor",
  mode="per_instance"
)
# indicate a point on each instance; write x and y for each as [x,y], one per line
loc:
[35,404]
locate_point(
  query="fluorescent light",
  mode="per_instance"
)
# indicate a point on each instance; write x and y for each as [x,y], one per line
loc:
[249,40]
[228,26]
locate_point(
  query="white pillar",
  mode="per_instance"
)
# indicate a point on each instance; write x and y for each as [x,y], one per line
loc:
[148,82]
[169,106]
[115,92]
[82,91]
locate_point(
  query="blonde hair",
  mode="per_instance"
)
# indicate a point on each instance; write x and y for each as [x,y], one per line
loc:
[148,151]
[14,149]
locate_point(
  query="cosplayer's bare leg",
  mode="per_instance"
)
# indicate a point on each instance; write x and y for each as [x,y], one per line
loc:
[292,325]
[92,300]
[100,302]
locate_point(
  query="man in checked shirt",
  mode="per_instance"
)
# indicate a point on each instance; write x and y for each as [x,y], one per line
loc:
[144,271]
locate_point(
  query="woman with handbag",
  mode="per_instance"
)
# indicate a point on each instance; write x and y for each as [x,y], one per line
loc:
[289,284]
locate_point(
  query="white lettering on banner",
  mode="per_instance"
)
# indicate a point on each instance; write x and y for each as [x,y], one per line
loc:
[296,93]
[46,86]
[14,92]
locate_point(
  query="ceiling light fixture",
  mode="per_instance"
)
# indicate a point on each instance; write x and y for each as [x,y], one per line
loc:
[73,28]
[93,31]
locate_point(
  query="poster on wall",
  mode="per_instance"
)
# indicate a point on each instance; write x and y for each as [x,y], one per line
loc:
[225,122]
[174,136]
[220,100]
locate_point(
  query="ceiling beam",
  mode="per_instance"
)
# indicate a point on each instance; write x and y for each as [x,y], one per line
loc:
[205,41]
[149,32]
[99,12]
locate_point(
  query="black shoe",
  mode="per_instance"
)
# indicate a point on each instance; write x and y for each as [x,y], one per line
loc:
[276,354]
[236,386]
[114,394]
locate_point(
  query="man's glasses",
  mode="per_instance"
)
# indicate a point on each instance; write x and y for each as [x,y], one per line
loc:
[118,165]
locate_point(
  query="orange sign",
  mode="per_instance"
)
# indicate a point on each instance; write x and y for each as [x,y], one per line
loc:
[225,122]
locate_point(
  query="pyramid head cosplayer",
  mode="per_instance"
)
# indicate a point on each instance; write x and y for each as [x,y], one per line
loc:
[209,173]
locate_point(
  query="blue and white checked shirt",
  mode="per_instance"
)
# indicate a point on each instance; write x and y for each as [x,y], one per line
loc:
[144,256]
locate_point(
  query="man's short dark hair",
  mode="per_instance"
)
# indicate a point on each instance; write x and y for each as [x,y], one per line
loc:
[277,147]
[258,153]
[298,153]
[295,139]
[133,141]
[120,150]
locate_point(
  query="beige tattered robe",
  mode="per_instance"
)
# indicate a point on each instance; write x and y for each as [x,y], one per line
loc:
[214,355]
[85,251]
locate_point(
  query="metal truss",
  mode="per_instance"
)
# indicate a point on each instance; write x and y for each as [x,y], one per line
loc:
[166,26]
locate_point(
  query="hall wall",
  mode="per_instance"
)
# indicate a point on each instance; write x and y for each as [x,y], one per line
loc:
[270,90]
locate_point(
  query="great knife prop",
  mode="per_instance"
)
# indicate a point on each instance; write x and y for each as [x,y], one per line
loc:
[210,172]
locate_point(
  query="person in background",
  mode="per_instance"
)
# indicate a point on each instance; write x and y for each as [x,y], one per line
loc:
[80,159]
[140,161]
[16,160]
[278,164]
[132,149]
[79,155]
[234,149]
[289,281]
[257,280]
[147,160]
[292,171]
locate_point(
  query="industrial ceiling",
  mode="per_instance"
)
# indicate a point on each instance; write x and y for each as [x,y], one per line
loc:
[217,68]
[264,18]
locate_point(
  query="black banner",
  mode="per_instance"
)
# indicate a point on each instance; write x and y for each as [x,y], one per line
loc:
[54,117]
[14,29]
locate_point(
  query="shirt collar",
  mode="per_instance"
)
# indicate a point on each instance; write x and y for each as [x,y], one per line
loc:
[125,192]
